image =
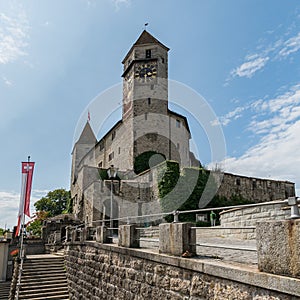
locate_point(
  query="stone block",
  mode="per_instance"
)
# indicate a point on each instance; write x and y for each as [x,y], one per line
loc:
[278,247]
[102,235]
[128,236]
[176,238]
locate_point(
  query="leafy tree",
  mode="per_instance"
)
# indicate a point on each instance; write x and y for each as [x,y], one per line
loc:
[35,227]
[55,202]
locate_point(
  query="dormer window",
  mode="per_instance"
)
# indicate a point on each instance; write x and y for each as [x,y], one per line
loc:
[148,53]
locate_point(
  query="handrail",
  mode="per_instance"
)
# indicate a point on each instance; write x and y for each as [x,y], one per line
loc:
[178,212]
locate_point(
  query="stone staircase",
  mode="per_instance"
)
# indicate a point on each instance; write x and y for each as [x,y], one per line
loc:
[44,277]
[4,290]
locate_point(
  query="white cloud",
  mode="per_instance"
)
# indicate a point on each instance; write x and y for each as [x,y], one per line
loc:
[281,48]
[7,81]
[290,46]
[118,3]
[276,155]
[248,68]
[13,37]
[9,203]
[232,115]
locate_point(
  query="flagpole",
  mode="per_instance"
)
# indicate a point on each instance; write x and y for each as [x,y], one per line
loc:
[23,223]
[22,252]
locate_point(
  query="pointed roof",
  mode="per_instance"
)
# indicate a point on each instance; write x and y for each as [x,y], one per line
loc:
[145,39]
[87,135]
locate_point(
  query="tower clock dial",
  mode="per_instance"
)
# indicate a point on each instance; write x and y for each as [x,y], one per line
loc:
[145,72]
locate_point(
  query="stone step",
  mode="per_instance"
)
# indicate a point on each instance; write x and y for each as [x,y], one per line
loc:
[56,294]
[44,277]
[43,271]
[44,290]
[41,285]
[38,284]
[4,290]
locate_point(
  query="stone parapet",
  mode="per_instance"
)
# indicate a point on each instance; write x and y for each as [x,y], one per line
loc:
[278,247]
[176,238]
[102,271]
[129,236]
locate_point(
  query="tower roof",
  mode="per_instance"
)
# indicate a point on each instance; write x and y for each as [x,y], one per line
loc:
[87,135]
[145,39]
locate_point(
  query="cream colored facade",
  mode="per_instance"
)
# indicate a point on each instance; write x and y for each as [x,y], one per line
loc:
[146,125]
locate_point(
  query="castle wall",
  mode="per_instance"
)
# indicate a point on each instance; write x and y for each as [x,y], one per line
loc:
[116,148]
[255,189]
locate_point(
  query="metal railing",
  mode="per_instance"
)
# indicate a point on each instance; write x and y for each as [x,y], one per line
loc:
[293,201]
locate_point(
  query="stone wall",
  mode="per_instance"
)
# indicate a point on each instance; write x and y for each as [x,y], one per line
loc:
[99,271]
[246,217]
[254,189]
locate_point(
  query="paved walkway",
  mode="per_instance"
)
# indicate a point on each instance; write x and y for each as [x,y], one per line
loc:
[217,247]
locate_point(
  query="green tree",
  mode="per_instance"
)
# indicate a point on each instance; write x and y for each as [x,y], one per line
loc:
[35,227]
[55,203]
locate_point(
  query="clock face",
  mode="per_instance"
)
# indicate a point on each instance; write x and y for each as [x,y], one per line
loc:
[145,72]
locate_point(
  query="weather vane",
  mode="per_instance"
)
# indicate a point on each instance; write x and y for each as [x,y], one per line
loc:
[146,24]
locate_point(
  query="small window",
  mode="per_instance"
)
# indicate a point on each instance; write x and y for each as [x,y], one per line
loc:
[146,116]
[254,185]
[119,150]
[100,164]
[149,101]
[101,145]
[238,181]
[162,60]
[148,53]
[110,156]
[178,123]
[113,135]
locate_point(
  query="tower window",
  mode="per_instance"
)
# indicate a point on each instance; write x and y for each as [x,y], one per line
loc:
[162,60]
[100,164]
[178,123]
[110,156]
[238,181]
[149,101]
[119,150]
[148,53]
[101,146]
[113,135]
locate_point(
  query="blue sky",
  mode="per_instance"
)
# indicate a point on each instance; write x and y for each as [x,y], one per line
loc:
[56,56]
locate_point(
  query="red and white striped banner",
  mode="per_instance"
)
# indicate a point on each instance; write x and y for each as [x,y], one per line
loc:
[24,208]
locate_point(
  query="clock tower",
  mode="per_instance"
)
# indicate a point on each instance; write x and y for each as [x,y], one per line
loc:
[145,77]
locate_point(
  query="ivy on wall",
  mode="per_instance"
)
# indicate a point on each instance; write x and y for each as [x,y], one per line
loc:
[170,178]
[141,162]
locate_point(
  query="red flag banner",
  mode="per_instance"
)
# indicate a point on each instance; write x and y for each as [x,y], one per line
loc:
[24,208]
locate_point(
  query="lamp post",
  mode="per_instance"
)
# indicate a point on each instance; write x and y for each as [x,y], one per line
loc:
[112,173]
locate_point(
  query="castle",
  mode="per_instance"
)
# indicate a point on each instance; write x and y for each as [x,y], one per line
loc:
[148,129]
